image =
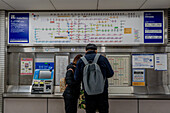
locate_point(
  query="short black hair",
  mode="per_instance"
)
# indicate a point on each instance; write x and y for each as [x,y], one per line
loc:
[91,46]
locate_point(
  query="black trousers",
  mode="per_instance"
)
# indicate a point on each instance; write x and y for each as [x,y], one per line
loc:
[97,102]
[70,103]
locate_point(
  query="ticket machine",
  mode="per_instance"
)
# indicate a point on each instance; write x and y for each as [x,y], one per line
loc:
[43,81]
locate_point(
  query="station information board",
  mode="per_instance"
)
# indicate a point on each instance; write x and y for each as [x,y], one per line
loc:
[119,27]
[153,27]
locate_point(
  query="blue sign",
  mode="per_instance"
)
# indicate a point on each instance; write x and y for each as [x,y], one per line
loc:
[19,28]
[153,27]
[44,65]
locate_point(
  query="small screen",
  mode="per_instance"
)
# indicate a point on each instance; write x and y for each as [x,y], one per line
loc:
[44,75]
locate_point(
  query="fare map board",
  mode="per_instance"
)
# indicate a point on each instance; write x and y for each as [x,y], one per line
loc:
[88,27]
[121,66]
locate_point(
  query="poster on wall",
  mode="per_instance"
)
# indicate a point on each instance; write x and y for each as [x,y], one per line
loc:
[26,67]
[153,27]
[161,62]
[138,78]
[18,28]
[142,60]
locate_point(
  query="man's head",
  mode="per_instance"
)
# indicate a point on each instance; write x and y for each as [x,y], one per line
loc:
[91,47]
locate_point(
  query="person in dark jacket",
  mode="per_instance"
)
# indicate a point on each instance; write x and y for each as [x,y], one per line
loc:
[72,91]
[95,102]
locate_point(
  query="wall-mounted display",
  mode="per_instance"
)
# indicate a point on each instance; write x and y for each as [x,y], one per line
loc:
[119,27]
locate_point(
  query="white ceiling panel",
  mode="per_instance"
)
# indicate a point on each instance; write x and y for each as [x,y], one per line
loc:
[75,4]
[31,4]
[156,4]
[5,6]
[120,4]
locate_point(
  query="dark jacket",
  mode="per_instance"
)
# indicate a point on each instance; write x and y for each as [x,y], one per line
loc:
[73,87]
[104,64]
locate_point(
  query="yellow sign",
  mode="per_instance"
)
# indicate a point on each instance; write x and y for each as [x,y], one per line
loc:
[138,83]
[59,37]
[35,82]
[41,82]
[127,30]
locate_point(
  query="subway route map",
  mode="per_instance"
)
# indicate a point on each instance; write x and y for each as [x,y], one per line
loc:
[83,28]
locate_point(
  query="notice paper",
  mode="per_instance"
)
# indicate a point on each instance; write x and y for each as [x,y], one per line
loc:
[161,62]
[142,61]
[26,66]
[138,78]
[61,68]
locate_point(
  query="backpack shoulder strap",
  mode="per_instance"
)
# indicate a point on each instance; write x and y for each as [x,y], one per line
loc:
[96,58]
[84,60]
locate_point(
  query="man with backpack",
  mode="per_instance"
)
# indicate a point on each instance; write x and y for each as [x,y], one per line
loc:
[93,70]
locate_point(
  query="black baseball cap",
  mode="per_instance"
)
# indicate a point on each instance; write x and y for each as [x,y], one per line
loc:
[91,46]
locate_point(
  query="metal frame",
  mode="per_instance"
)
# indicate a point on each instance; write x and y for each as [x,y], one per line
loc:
[109,48]
[3,65]
[104,12]
[33,64]
[145,68]
[141,49]
[166,27]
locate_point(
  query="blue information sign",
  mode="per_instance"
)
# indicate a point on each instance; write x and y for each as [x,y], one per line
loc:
[153,27]
[19,28]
